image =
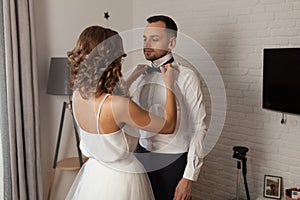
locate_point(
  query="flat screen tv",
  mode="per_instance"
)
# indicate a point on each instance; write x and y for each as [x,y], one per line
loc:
[281,79]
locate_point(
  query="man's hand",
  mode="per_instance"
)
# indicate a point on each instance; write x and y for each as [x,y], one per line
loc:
[183,190]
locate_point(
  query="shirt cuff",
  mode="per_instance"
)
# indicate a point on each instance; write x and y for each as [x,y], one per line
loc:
[191,174]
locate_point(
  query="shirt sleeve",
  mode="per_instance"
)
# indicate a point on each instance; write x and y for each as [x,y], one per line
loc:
[194,104]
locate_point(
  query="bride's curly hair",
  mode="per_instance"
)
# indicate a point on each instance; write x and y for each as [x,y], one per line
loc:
[96,63]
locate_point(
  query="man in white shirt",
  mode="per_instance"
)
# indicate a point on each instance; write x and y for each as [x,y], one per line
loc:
[172,161]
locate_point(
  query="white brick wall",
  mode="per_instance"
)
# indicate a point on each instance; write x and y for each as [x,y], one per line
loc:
[234,32]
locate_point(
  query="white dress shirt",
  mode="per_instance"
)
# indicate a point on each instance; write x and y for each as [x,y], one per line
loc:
[150,93]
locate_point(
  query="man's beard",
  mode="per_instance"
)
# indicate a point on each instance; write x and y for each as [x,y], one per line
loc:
[151,57]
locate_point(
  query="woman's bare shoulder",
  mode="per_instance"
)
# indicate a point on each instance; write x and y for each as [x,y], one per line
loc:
[120,102]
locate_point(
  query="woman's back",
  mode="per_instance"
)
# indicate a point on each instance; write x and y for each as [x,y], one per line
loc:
[98,130]
[88,114]
[111,165]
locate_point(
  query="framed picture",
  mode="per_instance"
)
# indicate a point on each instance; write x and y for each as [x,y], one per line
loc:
[272,187]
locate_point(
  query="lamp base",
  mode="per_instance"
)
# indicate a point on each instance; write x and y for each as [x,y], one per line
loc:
[72,163]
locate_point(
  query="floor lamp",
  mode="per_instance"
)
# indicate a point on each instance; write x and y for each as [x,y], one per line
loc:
[58,84]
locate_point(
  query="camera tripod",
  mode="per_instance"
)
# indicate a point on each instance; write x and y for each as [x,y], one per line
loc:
[240,154]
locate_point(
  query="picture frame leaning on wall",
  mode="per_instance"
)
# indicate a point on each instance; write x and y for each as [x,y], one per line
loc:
[272,186]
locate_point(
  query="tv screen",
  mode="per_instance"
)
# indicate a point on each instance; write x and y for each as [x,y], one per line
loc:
[281,79]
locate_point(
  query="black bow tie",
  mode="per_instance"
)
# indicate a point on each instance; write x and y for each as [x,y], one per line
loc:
[151,69]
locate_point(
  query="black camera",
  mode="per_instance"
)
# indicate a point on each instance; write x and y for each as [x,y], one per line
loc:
[240,152]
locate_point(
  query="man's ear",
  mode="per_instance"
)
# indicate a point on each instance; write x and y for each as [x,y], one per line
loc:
[172,43]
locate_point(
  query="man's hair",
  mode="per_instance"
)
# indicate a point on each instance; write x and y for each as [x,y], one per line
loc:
[169,22]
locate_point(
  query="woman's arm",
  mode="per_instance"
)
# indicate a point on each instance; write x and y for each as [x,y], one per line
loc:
[128,112]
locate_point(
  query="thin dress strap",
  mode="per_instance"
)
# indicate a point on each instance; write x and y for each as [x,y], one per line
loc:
[73,108]
[98,114]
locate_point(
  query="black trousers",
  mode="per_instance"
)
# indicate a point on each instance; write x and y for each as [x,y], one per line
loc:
[164,171]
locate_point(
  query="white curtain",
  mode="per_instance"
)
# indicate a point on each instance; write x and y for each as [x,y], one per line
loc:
[5,178]
[5,173]
[23,139]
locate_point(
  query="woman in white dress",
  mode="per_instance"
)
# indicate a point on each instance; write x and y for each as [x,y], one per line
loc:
[102,110]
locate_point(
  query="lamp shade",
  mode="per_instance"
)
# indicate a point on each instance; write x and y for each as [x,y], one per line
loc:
[59,77]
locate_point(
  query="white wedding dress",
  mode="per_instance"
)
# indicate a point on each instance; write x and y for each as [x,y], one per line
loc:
[112,172]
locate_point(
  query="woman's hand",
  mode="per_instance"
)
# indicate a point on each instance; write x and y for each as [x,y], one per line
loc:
[168,75]
[139,70]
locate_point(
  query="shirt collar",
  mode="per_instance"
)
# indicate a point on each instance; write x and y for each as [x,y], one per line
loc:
[162,60]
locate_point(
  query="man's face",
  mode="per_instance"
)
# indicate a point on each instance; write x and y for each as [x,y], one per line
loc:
[156,41]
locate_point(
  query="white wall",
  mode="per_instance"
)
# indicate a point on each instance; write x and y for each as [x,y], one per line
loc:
[58,25]
[234,32]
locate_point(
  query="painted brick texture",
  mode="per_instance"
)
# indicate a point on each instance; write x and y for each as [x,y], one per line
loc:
[234,33]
